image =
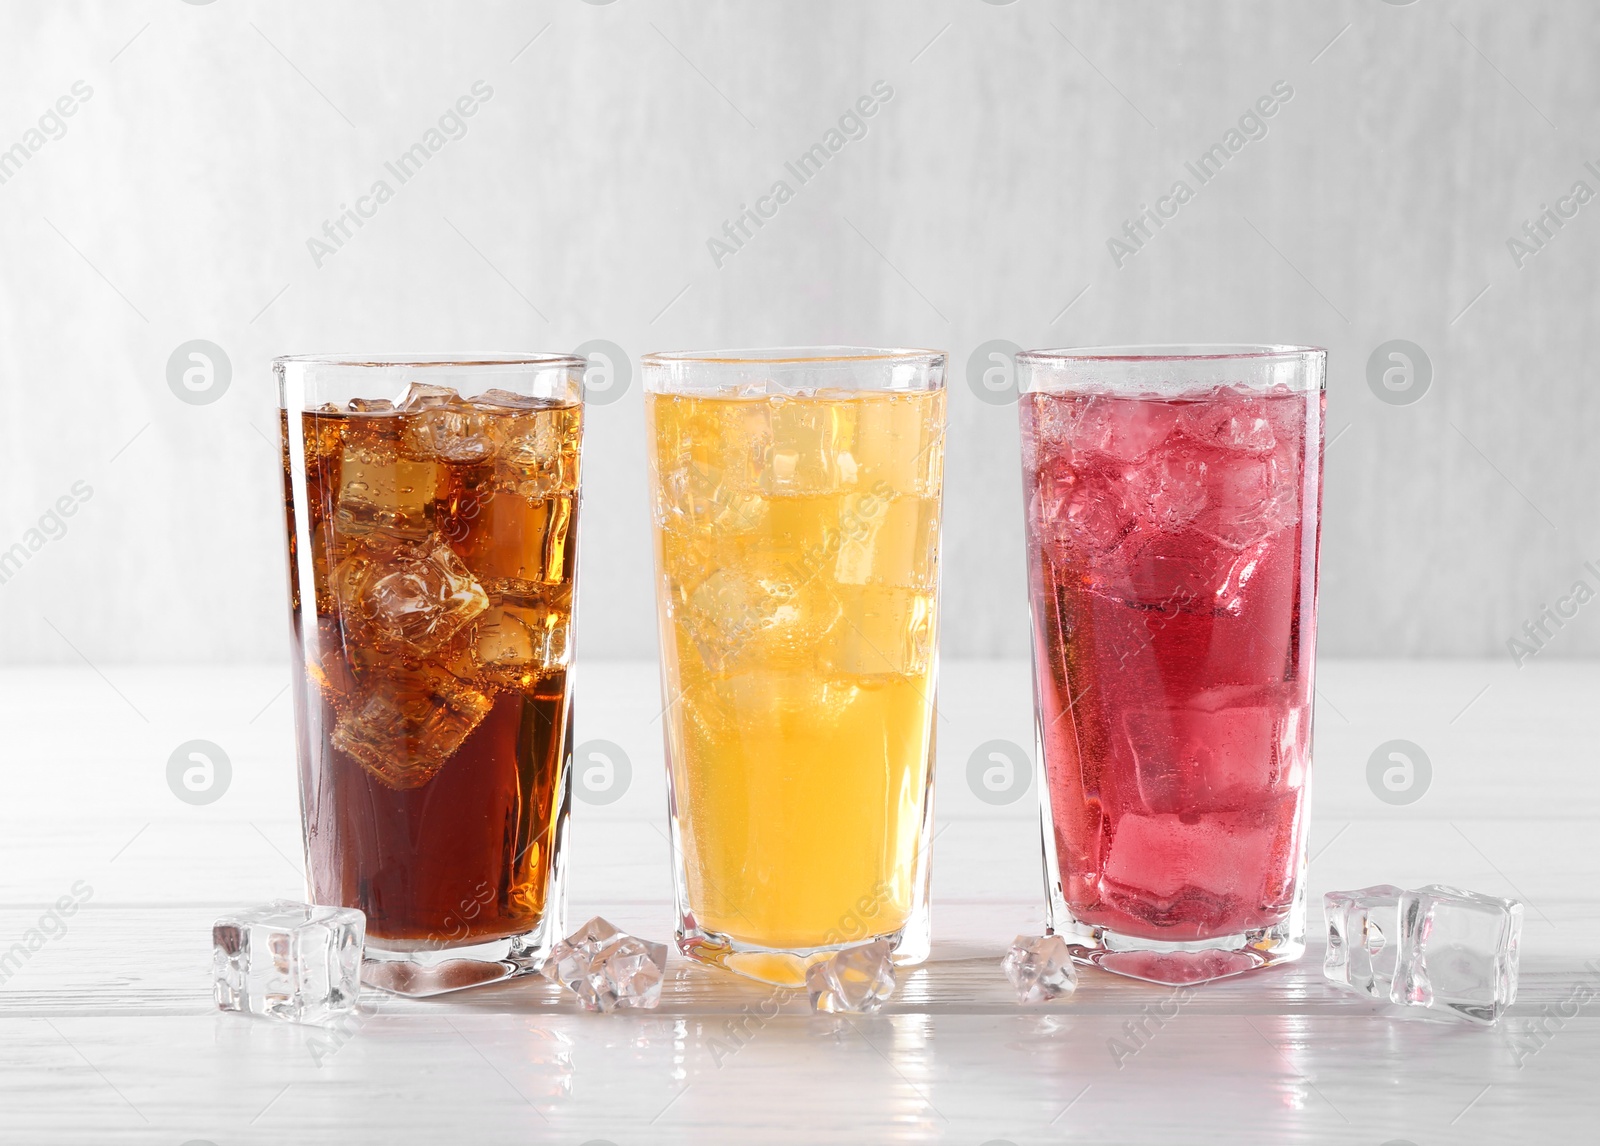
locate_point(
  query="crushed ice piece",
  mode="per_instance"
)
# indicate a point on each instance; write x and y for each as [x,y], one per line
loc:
[607,968]
[857,979]
[1436,947]
[1040,968]
[295,962]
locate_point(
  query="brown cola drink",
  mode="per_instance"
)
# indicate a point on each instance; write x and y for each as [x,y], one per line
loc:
[432,551]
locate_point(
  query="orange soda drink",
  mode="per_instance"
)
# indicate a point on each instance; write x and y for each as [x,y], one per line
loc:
[797,548]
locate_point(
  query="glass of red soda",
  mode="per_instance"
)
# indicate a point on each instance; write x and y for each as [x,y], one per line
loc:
[1172,498]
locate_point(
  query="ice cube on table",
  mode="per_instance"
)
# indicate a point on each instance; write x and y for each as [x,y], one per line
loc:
[857,980]
[1436,947]
[607,968]
[1459,951]
[295,962]
[1040,968]
[1363,938]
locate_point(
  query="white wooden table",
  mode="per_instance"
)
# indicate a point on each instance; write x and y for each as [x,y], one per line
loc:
[107,1033]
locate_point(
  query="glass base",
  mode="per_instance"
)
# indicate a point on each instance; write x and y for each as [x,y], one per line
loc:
[786,967]
[439,970]
[1194,961]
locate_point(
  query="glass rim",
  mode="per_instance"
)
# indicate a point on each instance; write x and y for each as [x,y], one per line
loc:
[794,356]
[463,361]
[1170,352]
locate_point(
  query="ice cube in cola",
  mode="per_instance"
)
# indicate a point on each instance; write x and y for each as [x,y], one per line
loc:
[433,652]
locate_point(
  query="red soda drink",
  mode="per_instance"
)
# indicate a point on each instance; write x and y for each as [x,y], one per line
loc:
[1173,537]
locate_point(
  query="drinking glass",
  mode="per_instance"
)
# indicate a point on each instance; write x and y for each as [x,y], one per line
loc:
[431,506]
[1173,496]
[796,498]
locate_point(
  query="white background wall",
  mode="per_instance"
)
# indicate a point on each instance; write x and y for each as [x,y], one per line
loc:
[220,136]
